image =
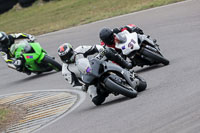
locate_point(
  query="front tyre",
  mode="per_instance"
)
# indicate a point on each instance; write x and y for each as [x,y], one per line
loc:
[155,56]
[98,100]
[142,83]
[52,63]
[112,83]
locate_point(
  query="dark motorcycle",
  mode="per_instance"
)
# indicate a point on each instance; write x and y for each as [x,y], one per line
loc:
[110,78]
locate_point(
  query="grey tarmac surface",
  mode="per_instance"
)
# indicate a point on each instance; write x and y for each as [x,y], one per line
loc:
[171,103]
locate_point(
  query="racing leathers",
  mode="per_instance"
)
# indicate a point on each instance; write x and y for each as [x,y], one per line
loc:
[72,74]
[6,54]
[130,28]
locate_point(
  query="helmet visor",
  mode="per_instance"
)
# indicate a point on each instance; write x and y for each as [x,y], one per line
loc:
[68,56]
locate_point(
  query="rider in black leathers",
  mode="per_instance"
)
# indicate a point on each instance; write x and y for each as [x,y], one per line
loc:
[6,42]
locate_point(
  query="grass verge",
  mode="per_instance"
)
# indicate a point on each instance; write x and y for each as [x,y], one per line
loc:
[3,114]
[9,114]
[59,14]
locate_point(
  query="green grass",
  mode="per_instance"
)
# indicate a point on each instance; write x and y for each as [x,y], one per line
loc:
[59,14]
[6,118]
[3,114]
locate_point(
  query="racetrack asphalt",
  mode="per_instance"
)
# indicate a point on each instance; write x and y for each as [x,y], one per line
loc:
[171,103]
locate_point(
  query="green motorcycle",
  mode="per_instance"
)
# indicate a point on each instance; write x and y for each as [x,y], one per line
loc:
[34,57]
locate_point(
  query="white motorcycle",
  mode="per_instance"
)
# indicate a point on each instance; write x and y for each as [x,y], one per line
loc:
[140,49]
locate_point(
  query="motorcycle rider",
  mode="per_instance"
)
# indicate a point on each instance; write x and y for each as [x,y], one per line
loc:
[6,41]
[107,35]
[109,38]
[71,73]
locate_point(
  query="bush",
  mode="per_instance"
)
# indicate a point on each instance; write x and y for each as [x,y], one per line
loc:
[6,5]
[26,3]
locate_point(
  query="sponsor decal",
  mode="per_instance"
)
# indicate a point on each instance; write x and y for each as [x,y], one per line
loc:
[131,44]
[29,57]
[88,70]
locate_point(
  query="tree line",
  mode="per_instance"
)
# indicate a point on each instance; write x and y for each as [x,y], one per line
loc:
[6,5]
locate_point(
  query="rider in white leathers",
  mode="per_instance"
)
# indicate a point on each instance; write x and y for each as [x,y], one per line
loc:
[71,73]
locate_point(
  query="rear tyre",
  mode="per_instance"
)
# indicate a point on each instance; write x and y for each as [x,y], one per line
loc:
[113,85]
[155,56]
[52,63]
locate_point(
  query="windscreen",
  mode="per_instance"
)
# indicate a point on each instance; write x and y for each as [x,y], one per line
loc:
[21,44]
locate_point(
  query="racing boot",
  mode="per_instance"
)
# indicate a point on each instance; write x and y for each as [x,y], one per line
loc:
[28,72]
[97,99]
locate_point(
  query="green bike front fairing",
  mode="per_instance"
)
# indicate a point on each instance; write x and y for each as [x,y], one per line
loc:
[33,54]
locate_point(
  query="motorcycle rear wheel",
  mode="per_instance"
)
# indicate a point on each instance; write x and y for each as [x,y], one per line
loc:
[113,86]
[52,63]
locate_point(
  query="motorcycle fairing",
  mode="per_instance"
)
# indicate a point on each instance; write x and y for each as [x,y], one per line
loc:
[129,44]
[98,68]
[31,52]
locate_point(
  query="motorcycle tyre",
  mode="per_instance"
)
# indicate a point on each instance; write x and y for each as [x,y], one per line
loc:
[98,100]
[142,84]
[116,88]
[48,60]
[155,56]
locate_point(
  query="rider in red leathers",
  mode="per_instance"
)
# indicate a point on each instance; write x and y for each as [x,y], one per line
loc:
[107,35]
[108,38]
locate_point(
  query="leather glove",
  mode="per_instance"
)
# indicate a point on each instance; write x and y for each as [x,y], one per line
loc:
[116,30]
[139,31]
[84,88]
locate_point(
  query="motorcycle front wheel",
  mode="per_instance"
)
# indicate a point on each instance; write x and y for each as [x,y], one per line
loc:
[155,56]
[142,83]
[113,83]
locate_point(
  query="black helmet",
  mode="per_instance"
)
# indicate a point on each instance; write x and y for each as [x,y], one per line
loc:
[3,39]
[66,53]
[106,35]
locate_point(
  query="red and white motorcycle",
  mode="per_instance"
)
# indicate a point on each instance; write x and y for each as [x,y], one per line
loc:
[139,48]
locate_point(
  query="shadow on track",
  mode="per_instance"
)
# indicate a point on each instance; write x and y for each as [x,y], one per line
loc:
[31,78]
[108,103]
[146,69]
[119,100]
